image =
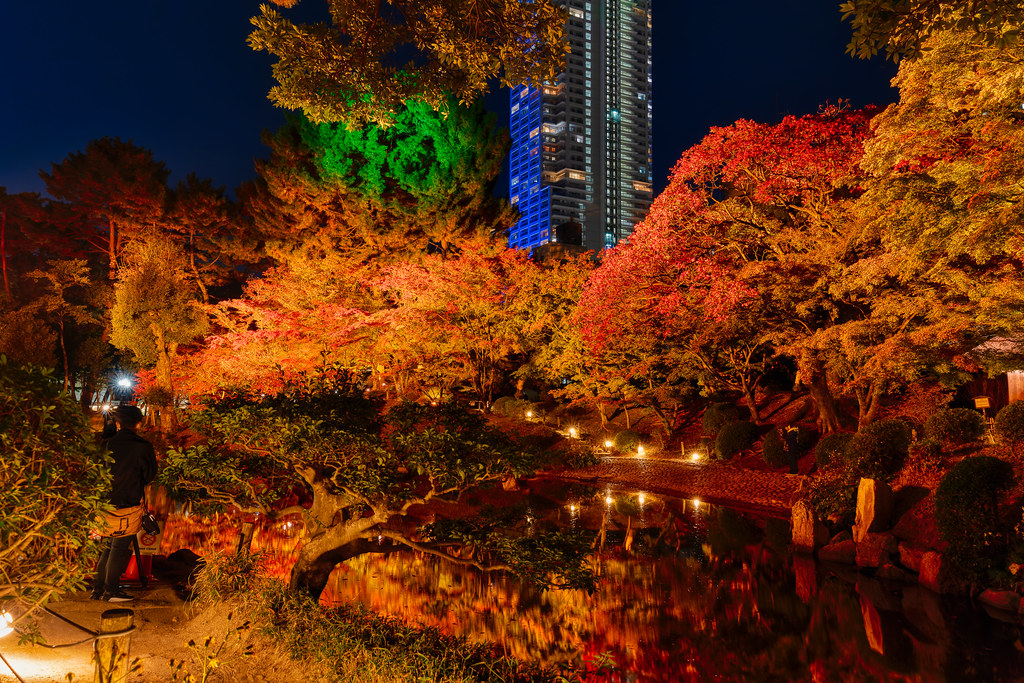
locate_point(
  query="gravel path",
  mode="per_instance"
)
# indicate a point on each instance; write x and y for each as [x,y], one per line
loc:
[713,482]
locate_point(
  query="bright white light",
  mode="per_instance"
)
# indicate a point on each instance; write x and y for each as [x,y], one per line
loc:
[608,499]
[6,621]
[573,432]
[608,443]
[124,383]
[695,457]
[639,450]
[529,414]
[572,508]
[640,498]
[696,503]
[106,407]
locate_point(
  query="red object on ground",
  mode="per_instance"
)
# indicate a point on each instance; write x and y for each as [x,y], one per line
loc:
[132,572]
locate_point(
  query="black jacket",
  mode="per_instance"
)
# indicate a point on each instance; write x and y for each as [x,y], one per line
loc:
[134,467]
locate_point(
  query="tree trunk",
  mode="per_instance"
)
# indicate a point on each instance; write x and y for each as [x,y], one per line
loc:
[164,380]
[828,415]
[867,404]
[311,571]
[748,394]
[520,385]
[112,251]
[64,353]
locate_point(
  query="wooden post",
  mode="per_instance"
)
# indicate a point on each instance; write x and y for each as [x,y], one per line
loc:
[245,538]
[112,653]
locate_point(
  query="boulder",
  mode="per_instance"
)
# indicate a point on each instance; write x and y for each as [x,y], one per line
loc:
[808,532]
[936,575]
[842,536]
[1008,601]
[844,552]
[876,550]
[874,508]
[911,555]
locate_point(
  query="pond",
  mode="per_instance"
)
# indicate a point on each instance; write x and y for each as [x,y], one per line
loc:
[704,593]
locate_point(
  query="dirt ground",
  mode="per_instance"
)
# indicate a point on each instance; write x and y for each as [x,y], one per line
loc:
[164,626]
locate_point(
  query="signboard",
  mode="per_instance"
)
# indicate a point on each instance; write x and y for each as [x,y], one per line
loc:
[982,402]
[149,544]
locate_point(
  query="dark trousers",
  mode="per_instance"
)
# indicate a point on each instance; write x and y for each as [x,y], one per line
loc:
[117,552]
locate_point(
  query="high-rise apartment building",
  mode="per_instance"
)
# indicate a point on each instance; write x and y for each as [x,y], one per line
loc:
[581,145]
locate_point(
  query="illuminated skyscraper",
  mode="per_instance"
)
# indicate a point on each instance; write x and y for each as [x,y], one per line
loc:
[581,145]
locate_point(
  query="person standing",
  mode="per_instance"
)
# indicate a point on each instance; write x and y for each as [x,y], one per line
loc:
[134,466]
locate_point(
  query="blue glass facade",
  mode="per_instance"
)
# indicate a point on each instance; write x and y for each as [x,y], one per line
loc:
[525,190]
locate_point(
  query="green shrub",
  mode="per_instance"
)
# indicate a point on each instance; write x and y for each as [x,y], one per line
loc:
[512,407]
[925,456]
[718,415]
[830,448]
[878,450]
[735,437]
[833,496]
[54,481]
[968,512]
[1010,423]
[782,448]
[955,426]
[626,440]
[774,449]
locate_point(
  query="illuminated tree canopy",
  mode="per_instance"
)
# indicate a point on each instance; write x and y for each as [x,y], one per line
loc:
[374,57]
[901,28]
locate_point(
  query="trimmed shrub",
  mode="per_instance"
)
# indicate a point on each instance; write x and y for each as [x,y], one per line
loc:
[830,448]
[925,456]
[968,512]
[626,440]
[735,437]
[833,496]
[1010,423]
[955,426]
[512,407]
[718,415]
[774,450]
[878,450]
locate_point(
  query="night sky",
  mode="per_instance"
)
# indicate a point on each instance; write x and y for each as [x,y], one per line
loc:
[178,78]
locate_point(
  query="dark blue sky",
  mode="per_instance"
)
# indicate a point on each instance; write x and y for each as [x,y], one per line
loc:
[178,78]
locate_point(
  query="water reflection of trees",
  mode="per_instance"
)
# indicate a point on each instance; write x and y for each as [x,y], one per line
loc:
[706,594]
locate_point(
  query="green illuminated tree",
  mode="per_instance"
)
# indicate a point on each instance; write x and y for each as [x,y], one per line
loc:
[424,183]
[374,57]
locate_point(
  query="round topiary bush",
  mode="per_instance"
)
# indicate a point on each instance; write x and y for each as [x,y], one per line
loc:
[626,440]
[968,512]
[830,448]
[878,450]
[718,415]
[955,426]
[773,449]
[512,407]
[735,437]
[1010,423]
[500,405]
